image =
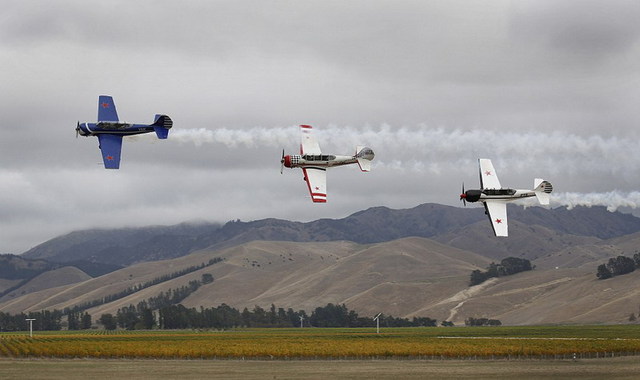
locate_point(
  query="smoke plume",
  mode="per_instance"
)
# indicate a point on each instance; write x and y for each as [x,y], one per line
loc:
[612,200]
[424,148]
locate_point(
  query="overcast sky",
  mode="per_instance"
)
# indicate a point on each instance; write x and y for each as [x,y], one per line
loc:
[546,89]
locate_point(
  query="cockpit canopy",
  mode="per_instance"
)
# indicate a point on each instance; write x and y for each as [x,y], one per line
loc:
[318,157]
[112,125]
[498,191]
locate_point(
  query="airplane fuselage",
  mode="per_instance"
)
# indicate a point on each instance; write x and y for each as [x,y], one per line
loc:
[321,160]
[325,160]
[113,128]
[505,195]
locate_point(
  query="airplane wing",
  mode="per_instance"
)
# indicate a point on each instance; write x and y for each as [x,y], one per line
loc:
[488,177]
[111,146]
[497,212]
[107,109]
[309,144]
[317,182]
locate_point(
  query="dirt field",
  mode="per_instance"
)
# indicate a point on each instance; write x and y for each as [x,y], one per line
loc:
[619,368]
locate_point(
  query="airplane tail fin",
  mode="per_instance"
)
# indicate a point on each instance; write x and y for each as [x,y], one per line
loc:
[162,124]
[542,189]
[364,156]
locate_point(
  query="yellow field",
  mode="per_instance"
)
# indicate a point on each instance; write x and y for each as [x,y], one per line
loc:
[310,343]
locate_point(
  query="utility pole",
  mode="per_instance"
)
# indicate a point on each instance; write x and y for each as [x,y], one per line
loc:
[30,326]
[377,319]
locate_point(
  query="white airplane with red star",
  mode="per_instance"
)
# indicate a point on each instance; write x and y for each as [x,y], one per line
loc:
[495,198]
[314,164]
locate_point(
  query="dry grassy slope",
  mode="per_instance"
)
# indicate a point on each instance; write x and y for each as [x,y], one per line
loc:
[406,277]
[551,296]
[584,299]
[394,277]
[569,294]
[587,253]
[528,241]
[628,244]
[577,256]
[93,288]
[6,284]
[50,279]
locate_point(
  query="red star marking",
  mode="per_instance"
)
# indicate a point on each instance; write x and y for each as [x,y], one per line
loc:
[487,172]
[105,105]
[498,221]
[110,158]
[317,188]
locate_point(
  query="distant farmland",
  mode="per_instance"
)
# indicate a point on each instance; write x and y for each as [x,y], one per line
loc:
[550,342]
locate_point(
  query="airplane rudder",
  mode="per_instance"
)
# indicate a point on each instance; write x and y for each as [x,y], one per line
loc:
[543,198]
[364,164]
[161,125]
[161,132]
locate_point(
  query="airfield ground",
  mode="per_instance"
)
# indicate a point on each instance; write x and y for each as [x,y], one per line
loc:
[585,369]
[396,353]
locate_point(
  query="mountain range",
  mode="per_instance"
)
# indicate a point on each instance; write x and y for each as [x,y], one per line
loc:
[411,262]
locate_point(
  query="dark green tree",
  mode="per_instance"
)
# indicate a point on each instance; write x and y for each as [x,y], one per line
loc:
[477,277]
[108,321]
[147,320]
[513,265]
[603,272]
[621,265]
[73,321]
[85,321]
[207,278]
[636,259]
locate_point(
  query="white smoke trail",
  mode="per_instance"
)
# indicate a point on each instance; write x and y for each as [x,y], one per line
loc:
[421,140]
[234,138]
[436,149]
[439,152]
[612,200]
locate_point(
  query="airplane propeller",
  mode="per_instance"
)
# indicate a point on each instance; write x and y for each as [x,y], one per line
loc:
[463,196]
[77,128]
[282,162]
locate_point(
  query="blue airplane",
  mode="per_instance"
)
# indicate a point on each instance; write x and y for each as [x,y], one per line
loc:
[110,131]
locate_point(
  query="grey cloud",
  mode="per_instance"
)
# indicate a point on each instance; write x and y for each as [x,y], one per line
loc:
[590,30]
[543,88]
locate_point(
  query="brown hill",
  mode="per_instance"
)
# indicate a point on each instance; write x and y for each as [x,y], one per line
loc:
[6,284]
[50,279]
[556,296]
[628,244]
[96,288]
[527,241]
[108,250]
[406,277]
[366,278]
[297,275]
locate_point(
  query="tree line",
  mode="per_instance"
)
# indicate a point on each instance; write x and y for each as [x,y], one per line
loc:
[617,266]
[482,322]
[507,267]
[136,288]
[224,317]
[44,320]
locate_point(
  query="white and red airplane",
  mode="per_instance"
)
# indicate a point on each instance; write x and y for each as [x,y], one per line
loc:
[314,164]
[495,198]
